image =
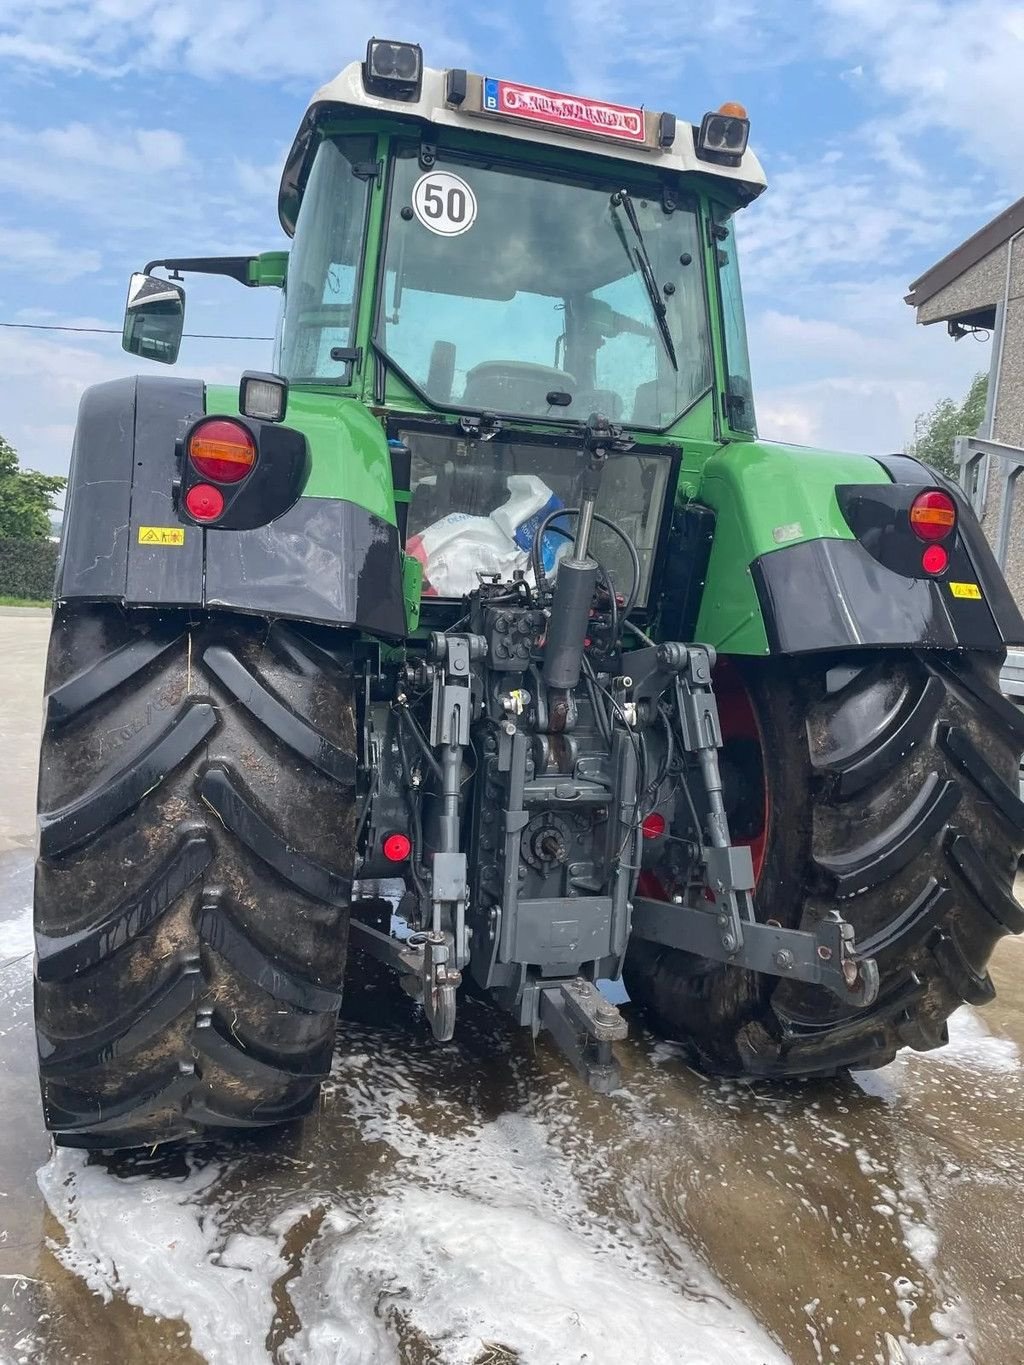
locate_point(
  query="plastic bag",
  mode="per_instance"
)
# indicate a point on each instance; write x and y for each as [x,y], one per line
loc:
[459,547]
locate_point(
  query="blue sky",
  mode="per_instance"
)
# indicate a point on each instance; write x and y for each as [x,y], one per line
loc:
[134,129]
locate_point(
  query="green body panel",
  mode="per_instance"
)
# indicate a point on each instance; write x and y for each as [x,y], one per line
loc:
[412,589]
[765,497]
[348,448]
[269,269]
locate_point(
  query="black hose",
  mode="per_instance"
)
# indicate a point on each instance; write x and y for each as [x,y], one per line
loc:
[631,550]
[613,607]
[601,716]
[424,747]
[641,635]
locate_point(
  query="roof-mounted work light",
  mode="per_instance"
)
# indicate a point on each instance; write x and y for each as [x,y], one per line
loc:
[393,69]
[723,135]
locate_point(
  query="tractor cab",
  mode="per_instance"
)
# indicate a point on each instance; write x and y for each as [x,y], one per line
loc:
[489,265]
[500,261]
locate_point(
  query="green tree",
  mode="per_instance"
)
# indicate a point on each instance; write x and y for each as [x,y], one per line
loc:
[935,431]
[26,498]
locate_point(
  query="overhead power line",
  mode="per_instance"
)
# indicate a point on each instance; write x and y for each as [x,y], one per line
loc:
[116,331]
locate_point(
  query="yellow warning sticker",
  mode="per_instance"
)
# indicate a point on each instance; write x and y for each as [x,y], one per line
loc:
[965,590]
[161,535]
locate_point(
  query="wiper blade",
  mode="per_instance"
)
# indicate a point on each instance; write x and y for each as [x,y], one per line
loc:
[622,199]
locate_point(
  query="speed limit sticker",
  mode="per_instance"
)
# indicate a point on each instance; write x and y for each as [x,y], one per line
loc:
[444,203]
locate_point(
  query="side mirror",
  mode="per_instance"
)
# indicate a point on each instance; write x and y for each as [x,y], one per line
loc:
[154,318]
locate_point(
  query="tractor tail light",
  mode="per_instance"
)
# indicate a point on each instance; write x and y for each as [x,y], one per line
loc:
[935,559]
[203,502]
[397,847]
[654,825]
[932,515]
[221,450]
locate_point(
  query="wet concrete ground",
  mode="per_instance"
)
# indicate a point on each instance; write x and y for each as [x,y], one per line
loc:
[475,1204]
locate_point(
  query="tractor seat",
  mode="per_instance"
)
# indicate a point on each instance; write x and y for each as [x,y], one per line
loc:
[515,386]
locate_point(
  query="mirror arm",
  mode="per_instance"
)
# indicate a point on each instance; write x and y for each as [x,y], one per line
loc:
[235,267]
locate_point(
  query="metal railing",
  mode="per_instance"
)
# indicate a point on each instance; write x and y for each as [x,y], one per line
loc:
[974,456]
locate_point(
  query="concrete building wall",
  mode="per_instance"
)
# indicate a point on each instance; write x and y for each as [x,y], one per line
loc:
[987,284]
[979,287]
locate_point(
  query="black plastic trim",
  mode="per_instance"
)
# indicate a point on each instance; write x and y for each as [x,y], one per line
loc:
[687,546]
[833,594]
[325,560]
[269,489]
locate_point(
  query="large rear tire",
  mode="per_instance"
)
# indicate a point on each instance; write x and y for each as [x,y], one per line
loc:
[887,787]
[197,833]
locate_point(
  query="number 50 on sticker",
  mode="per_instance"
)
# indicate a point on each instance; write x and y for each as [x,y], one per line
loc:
[444,203]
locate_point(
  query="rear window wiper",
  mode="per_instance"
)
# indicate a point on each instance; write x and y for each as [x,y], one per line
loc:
[622,199]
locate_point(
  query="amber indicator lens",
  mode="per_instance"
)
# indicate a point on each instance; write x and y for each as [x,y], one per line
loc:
[222,450]
[932,515]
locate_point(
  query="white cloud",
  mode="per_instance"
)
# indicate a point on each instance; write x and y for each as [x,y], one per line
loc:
[255,39]
[857,379]
[89,166]
[259,181]
[27,250]
[954,65]
[842,215]
[45,375]
[612,47]
[27,52]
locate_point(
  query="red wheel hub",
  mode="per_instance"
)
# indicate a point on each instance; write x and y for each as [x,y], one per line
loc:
[742,758]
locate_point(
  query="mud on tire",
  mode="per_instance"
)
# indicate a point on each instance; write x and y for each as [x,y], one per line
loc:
[891,794]
[192,890]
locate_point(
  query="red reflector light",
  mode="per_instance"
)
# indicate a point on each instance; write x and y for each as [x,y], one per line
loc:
[932,515]
[222,450]
[396,848]
[935,559]
[654,826]
[204,502]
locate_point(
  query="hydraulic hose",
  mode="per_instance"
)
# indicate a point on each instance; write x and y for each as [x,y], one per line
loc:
[631,550]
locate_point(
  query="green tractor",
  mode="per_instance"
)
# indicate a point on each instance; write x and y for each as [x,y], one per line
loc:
[486,638]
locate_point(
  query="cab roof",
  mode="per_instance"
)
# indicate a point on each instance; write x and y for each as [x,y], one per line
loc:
[432,108]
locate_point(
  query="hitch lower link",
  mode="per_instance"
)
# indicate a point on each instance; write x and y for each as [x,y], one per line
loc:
[730,932]
[430,963]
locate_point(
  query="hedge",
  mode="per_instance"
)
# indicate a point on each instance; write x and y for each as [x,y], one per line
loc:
[27,568]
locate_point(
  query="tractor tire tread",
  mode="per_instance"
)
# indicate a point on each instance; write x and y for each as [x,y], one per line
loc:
[914,835]
[197,837]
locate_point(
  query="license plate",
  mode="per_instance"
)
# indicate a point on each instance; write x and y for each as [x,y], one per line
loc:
[572,113]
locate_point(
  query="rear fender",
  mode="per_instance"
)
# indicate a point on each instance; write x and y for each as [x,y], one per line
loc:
[789,575]
[326,558]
